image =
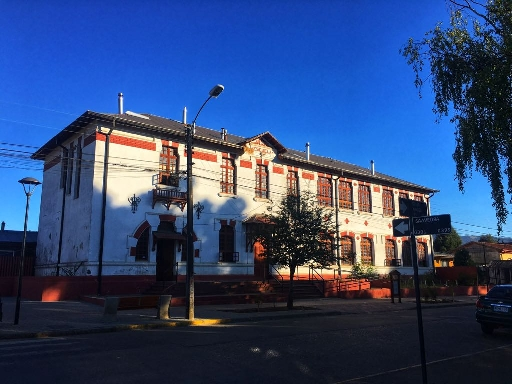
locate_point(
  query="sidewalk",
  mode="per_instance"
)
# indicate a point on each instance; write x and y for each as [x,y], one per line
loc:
[45,319]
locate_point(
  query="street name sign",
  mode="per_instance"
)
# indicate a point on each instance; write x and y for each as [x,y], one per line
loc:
[412,208]
[425,225]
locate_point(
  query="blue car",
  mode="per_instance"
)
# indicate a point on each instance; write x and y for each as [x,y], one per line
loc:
[494,310]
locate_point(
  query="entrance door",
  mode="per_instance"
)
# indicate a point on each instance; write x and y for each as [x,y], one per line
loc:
[165,260]
[260,264]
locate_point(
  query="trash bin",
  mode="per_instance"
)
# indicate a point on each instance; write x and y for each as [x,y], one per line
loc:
[164,303]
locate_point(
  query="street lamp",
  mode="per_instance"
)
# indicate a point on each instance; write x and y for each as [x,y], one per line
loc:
[189,300]
[29,184]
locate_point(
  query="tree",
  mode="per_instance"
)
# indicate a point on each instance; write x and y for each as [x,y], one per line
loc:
[448,242]
[299,233]
[487,239]
[470,73]
[462,258]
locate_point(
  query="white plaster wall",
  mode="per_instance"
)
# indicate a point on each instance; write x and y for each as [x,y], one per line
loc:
[132,170]
[49,215]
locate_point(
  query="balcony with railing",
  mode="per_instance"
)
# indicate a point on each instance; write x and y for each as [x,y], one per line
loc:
[393,262]
[168,197]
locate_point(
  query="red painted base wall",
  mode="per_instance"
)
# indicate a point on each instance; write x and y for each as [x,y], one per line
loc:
[55,288]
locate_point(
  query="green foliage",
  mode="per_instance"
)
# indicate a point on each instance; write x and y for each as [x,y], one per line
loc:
[300,234]
[469,70]
[429,293]
[487,238]
[448,242]
[363,271]
[462,258]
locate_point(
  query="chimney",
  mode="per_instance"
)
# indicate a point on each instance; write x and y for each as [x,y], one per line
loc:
[307,151]
[372,167]
[184,115]
[120,103]
[3,225]
[224,134]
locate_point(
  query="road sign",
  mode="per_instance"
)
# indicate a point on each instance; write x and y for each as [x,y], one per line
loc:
[401,227]
[432,225]
[412,208]
[425,225]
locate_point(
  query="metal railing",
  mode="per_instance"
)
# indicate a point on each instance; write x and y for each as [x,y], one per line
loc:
[272,275]
[229,257]
[313,274]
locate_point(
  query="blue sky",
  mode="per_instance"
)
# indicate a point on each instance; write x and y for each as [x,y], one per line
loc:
[324,72]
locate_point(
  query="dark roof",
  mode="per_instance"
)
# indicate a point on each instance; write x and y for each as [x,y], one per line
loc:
[480,245]
[7,236]
[171,128]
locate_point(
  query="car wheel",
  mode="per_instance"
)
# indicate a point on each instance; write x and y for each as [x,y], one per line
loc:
[487,328]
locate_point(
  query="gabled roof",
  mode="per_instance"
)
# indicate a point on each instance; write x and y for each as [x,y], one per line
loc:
[269,139]
[164,127]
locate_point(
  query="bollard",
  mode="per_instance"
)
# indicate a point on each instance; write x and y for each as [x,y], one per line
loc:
[164,303]
[110,308]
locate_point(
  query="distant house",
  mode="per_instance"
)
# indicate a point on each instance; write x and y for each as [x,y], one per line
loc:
[10,251]
[443,260]
[483,253]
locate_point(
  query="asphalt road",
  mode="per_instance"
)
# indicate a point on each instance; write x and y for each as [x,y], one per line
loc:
[368,348]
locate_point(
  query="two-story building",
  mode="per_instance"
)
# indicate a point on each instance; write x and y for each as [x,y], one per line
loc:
[114,197]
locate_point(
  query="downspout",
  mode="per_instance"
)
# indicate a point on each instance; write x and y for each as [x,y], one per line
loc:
[336,210]
[104,202]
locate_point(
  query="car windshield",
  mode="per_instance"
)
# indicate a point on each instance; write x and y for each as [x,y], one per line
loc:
[500,293]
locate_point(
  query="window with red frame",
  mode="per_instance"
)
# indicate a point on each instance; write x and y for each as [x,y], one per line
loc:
[324,191]
[390,251]
[345,195]
[406,254]
[169,165]
[421,250]
[261,181]
[365,201]
[292,183]
[347,250]
[388,205]
[227,182]
[366,251]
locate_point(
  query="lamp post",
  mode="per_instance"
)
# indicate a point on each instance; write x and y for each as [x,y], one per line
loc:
[189,282]
[29,184]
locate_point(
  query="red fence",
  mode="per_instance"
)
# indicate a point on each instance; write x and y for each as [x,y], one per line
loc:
[10,266]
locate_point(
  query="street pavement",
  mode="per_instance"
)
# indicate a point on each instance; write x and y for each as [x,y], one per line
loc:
[49,319]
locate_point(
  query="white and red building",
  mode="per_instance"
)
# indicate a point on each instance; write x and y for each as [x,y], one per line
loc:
[114,196]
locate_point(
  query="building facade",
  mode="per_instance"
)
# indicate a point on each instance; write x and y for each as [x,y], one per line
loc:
[114,200]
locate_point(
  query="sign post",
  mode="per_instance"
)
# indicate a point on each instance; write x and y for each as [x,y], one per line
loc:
[420,224]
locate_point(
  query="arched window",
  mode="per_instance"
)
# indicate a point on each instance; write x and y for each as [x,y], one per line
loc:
[366,251]
[227,244]
[421,249]
[142,249]
[406,254]
[390,251]
[347,250]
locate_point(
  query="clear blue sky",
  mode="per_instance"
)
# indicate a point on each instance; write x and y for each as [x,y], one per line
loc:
[324,72]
